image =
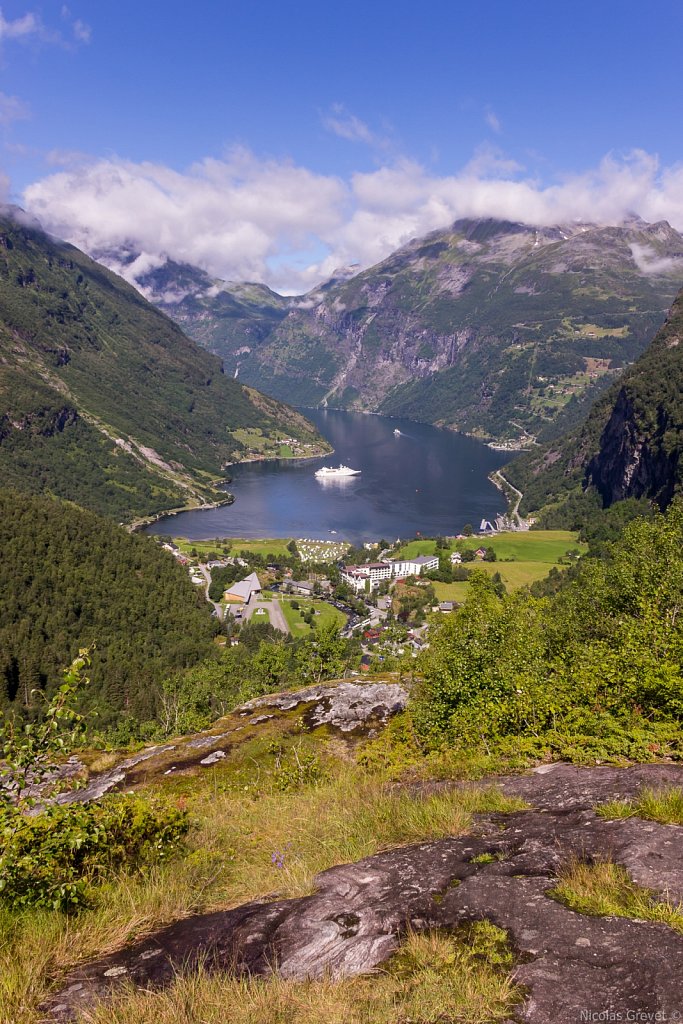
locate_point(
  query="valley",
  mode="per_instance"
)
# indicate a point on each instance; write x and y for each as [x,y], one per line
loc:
[105,401]
[392,757]
[496,329]
[341,513]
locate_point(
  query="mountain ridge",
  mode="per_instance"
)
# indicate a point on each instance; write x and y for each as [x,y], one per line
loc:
[102,397]
[492,327]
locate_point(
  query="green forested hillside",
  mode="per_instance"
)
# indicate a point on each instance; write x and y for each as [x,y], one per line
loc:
[589,672]
[628,447]
[69,578]
[95,381]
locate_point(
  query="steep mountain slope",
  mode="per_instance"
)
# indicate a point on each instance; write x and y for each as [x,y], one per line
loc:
[631,443]
[69,578]
[230,318]
[102,398]
[489,327]
[226,317]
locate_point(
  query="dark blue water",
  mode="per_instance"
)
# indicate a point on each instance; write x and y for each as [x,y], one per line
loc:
[427,481]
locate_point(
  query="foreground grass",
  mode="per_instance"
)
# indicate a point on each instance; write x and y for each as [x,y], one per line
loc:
[664,805]
[245,845]
[462,977]
[605,890]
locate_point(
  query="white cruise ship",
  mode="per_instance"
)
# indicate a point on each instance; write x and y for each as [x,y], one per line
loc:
[328,472]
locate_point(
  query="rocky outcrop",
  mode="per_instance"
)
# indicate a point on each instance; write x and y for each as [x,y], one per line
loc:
[344,706]
[569,964]
[349,709]
[629,445]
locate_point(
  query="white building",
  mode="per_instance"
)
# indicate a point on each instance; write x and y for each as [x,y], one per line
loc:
[414,566]
[355,577]
[240,593]
[358,576]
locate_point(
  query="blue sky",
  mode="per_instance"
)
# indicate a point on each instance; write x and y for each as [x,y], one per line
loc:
[276,140]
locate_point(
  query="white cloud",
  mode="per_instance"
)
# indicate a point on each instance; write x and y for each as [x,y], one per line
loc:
[12,109]
[493,121]
[82,32]
[648,262]
[19,28]
[241,218]
[65,158]
[31,26]
[490,162]
[228,216]
[347,126]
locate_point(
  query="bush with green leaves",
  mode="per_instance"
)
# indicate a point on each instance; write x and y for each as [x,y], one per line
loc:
[601,657]
[54,858]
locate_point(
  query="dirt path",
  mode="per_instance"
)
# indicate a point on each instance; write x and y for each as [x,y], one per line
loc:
[204,571]
[570,964]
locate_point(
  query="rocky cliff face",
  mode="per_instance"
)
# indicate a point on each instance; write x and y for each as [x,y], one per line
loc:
[490,327]
[631,443]
[634,462]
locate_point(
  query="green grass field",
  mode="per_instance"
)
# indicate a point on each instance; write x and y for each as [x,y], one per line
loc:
[451,591]
[530,546]
[275,546]
[513,574]
[531,557]
[294,619]
[309,550]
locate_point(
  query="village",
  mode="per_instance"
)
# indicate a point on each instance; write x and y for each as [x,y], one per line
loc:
[383,595]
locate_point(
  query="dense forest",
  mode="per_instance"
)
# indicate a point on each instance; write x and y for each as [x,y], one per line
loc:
[69,578]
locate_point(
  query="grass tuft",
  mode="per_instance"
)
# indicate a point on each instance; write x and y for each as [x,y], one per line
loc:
[664,805]
[604,889]
[434,977]
[245,845]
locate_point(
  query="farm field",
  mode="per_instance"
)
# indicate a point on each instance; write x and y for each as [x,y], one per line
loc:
[531,546]
[513,574]
[309,550]
[523,558]
[263,546]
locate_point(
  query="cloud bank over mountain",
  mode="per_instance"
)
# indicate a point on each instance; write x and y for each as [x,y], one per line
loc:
[246,218]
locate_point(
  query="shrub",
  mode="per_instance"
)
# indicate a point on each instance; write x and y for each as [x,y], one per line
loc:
[54,858]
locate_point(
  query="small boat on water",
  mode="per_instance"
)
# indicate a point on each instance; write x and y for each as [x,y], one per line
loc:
[397,432]
[328,472]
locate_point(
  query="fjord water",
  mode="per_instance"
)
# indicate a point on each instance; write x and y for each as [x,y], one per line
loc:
[426,480]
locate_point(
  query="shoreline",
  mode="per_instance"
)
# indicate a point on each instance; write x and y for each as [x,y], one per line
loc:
[155,517]
[280,458]
[142,522]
